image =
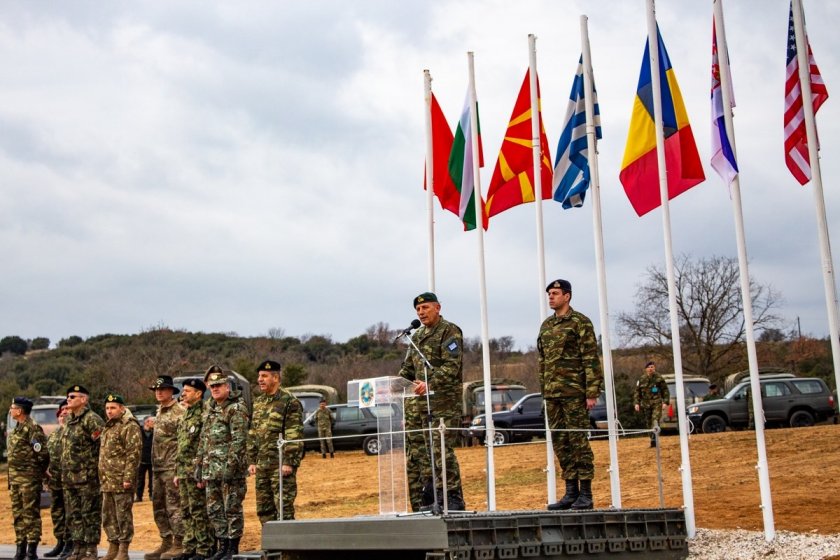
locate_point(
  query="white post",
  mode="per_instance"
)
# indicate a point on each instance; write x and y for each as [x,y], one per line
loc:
[485,336]
[430,179]
[762,467]
[598,229]
[685,466]
[816,180]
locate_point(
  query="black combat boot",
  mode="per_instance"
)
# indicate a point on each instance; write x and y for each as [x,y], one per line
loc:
[20,550]
[584,501]
[455,500]
[233,548]
[224,544]
[32,551]
[572,494]
[67,550]
[59,546]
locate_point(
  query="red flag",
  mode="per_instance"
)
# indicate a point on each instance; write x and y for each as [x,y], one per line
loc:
[444,188]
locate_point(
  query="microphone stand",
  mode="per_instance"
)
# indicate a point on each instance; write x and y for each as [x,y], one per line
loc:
[431,442]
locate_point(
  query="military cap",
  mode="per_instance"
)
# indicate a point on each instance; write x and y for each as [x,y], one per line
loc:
[562,284]
[216,378]
[212,369]
[113,397]
[269,365]
[78,389]
[61,405]
[164,382]
[650,363]
[23,403]
[425,297]
[196,384]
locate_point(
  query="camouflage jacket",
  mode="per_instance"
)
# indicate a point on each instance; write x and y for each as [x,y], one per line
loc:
[443,346]
[650,390]
[323,418]
[189,437]
[54,447]
[27,451]
[275,415]
[119,453]
[221,451]
[80,449]
[568,357]
[165,441]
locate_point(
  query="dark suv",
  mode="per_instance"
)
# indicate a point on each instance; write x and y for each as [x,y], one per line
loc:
[793,402]
[350,420]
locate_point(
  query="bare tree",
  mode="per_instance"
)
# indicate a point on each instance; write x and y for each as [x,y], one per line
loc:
[710,310]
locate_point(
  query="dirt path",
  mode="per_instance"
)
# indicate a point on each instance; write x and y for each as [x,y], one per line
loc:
[804,470]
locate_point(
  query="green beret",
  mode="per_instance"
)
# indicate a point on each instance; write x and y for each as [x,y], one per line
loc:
[113,397]
[425,297]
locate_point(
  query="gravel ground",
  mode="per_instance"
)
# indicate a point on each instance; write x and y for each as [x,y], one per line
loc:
[738,544]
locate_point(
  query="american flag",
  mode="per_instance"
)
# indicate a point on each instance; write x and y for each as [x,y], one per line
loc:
[796,143]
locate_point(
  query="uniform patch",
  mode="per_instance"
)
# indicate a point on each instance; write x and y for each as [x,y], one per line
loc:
[95,434]
[36,447]
[452,347]
[192,429]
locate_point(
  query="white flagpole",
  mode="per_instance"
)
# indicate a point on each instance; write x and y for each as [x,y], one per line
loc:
[595,189]
[485,336]
[551,474]
[430,180]
[685,466]
[816,180]
[762,467]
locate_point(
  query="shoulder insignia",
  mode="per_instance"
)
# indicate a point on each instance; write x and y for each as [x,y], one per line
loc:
[192,429]
[36,447]
[95,434]
[452,347]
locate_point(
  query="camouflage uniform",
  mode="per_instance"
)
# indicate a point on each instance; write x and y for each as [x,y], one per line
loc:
[119,457]
[166,502]
[650,392]
[221,464]
[198,536]
[324,420]
[28,460]
[275,416]
[57,515]
[570,372]
[442,344]
[79,476]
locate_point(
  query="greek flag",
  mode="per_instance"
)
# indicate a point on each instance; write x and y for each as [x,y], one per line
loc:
[571,168]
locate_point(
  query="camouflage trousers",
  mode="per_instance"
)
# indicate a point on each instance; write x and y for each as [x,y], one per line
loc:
[418,463]
[325,433]
[198,536]
[571,448]
[57,515]
[166,504]
[26,513]
[651,413]
[267,485]
[224,507]
[83,507]
[117,516]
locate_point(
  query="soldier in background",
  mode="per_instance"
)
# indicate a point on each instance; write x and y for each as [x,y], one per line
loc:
[324,420]
[145,470]
[222,462]
[277,413]
[650,398]
[79,474]
[165,499]
[442,343]
[28,460]
[57,513]
[571,382]
[119,456]
[198,537]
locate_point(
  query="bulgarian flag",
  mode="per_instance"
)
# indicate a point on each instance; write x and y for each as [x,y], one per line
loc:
[461,168]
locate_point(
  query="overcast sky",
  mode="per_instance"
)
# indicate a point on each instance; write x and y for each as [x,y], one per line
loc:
[239,166]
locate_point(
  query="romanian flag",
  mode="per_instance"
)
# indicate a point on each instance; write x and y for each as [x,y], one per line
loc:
[513,178]
[639,171]
[444,188]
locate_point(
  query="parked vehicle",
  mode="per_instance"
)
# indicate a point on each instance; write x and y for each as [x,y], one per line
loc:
[351,420]
[794,402]
[504,393]
[310,396]
[695,388]
[143,411]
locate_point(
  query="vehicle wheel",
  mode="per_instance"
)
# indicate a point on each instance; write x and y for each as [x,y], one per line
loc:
[501,437]
[371,445]
[801,419]
[713,424]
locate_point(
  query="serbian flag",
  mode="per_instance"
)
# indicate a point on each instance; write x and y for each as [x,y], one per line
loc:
[513,178]
[723,157]
[444,188]
[639,172]
[461,168]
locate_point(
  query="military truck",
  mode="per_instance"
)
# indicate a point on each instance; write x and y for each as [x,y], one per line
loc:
[695,388]
[504,394]
[310,396]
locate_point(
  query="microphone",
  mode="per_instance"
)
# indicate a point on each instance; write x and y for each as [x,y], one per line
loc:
[414,324]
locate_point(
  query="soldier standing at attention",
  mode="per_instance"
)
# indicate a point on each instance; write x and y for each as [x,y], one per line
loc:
[198,539]
[148,434]
[650,398]
[119,456]
[221,462]
[28,461]
[442,344]
[80,474]
[277,413]
[59,520]
[324,420]
[571,382]
[166,503]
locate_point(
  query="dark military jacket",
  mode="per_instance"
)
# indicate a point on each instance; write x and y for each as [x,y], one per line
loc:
[119,453]
[651,390]
[221,451]
[27,451]
[275,415]
[80,448]
[568,357]
[189,437]
[54,447]
[165,440]
[443,346]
